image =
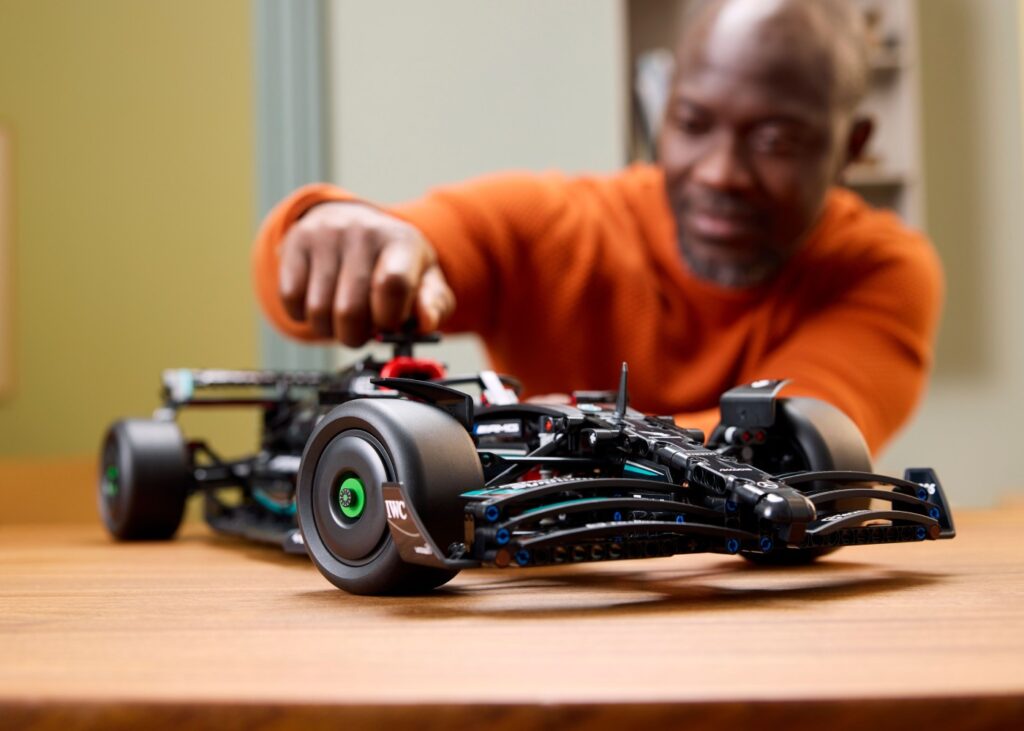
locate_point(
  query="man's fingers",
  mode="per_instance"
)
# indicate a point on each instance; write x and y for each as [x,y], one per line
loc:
[435,300]
[348,269]
[396,278]
[351,317]
[294,274]
[324,261]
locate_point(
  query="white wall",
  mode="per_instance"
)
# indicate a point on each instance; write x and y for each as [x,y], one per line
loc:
[427,92]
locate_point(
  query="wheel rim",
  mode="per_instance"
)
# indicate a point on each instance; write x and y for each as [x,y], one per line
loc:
[111,481]
[352,497]
[113,478]
[348,509]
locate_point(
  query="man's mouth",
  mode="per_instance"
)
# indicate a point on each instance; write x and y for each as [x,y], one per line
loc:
[719,226]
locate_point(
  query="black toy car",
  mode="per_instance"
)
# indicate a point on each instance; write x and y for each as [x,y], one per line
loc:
[398,495]
[148,469]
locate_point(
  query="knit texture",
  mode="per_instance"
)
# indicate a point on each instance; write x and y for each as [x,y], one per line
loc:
[567,277]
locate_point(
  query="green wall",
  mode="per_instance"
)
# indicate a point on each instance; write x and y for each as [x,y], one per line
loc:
[134,209]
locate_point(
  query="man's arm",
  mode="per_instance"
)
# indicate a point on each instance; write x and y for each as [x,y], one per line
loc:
[327,265]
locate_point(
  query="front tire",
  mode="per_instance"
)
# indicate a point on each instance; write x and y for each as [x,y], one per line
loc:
[352,451]
[145,475]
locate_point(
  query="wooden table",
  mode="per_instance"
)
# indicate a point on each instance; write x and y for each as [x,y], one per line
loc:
[229,635]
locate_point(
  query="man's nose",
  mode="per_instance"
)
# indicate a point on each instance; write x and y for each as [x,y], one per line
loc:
[723,166]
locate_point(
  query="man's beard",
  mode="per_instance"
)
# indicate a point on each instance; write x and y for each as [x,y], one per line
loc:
[738,275]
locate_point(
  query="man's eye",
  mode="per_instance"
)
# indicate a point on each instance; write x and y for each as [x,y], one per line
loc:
[776,140]
[694,125]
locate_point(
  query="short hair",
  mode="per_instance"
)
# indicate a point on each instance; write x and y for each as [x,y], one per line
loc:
[848,42]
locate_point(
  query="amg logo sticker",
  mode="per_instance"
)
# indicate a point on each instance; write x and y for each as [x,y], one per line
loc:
[396,509]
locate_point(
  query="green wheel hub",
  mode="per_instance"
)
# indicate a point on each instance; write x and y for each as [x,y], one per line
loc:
[110,486]
[351,497]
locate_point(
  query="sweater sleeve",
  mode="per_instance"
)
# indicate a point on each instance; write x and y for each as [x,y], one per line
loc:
[869,351]
[498,239]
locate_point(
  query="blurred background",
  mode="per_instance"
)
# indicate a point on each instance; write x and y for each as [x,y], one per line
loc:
[141,143]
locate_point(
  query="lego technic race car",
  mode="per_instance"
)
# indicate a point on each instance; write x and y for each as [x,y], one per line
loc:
[398,495]
[148,469]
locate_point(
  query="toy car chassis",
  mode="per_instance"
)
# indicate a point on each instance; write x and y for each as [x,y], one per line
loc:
[148,470]
[398,495]
[393,480]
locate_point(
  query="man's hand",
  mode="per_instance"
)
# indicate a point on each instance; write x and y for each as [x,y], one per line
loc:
[350,270]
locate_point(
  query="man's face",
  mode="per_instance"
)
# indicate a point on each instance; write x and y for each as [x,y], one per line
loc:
[752,140]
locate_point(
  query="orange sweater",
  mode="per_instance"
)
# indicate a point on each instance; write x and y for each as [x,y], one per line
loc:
[565,278]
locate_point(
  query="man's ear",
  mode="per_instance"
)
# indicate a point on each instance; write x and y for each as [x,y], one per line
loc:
[857,142]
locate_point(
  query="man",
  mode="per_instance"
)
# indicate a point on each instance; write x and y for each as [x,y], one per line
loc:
[733,259]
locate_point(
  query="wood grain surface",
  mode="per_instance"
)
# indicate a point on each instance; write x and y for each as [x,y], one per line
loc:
[220,633]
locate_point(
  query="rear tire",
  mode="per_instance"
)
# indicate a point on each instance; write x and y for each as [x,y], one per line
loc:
[145,476]
[356,447]
[814,436]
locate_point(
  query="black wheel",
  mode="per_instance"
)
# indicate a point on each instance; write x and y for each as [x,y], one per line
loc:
[811,435]
[145,476]
[340,507]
